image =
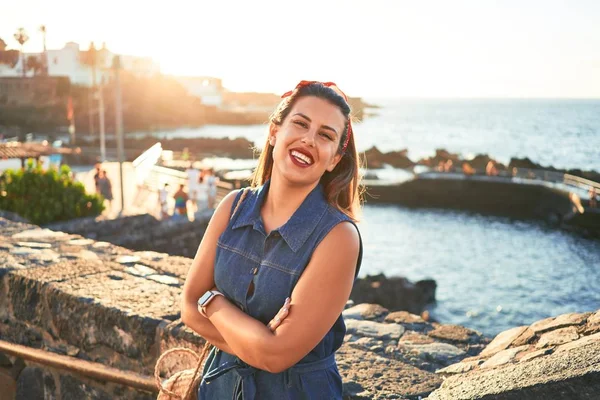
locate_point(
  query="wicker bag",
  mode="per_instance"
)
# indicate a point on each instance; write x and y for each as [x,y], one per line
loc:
[183,385]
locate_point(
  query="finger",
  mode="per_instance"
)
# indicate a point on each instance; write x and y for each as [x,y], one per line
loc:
[274,323]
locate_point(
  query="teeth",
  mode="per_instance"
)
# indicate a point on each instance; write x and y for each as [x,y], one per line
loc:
[302,157]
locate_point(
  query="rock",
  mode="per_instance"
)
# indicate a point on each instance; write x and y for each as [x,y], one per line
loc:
[354,390]
[568,375]
[535,354]
[140,270]
[384,378]
[373,329]
[459,368]
[438,352]
[584,341]
[36,234]
[558,336]
[526,337]
[150,255]
[397,159]
[411,337]
[127,259]
[394,293]
[165,279]
[593,323]
[559,322]
[81,242]
[502,341]
[455,333]
[365,311]
[35,245]
[403,317]
[503,357]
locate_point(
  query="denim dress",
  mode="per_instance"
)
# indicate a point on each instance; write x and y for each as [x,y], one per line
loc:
[273,263]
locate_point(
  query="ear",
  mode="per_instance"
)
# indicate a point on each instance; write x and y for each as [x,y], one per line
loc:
[334,162]
[273,129]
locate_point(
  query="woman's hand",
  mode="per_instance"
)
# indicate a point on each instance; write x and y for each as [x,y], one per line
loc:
[281,314]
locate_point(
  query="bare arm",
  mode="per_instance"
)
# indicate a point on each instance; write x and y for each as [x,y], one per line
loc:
[327,279]
[200,277]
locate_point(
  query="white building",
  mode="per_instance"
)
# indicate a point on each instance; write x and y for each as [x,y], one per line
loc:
[208,89]
[68,61]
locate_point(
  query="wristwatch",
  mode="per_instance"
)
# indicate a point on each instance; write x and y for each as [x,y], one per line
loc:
[206,299]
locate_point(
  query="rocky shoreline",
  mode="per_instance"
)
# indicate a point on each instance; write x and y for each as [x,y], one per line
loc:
[241,148]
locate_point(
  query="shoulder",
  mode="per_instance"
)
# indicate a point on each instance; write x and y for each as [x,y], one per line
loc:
[345,234]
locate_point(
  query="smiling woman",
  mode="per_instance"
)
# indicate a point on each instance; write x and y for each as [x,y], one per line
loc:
[282,243]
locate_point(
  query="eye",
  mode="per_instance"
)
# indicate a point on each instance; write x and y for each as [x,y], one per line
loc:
[300,123]
[326,135]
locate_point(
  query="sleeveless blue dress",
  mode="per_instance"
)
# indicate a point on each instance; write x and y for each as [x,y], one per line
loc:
[274,263]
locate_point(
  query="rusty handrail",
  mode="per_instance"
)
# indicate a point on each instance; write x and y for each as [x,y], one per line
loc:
[81,367]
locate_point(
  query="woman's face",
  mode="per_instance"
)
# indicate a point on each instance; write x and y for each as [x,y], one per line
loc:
[306,143]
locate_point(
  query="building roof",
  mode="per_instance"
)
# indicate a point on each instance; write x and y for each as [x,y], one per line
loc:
[29,150]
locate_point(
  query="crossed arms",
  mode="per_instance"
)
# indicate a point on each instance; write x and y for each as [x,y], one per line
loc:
[327,280]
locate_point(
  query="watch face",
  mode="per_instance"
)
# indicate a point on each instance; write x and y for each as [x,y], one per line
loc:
[202,300]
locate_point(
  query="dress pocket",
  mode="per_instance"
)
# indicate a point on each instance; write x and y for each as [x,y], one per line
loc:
[323,384]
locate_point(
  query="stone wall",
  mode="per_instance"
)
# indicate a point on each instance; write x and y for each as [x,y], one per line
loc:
[96,301]
[489,197]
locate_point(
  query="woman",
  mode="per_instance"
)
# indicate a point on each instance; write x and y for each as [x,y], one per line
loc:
[211,182]
[283,241]
[104,186]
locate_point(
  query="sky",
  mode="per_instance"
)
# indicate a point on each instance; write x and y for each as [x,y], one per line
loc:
[374,48]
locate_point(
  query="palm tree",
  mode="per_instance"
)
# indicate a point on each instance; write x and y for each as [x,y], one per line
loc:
[22,37]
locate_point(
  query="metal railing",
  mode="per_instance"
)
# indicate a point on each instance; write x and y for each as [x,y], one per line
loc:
[82,367]
[525,175]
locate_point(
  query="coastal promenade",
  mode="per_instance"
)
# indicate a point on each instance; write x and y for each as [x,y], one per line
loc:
[557,198]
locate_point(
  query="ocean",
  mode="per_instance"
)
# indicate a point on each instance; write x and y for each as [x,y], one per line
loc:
[492,273]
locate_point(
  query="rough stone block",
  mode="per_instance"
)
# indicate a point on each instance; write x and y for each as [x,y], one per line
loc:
[558,336]
[455,333]
[561,321]
[503,357]
[374,329]
[502,341]
[438,352]
[371,376]
[568,375]
[365,311]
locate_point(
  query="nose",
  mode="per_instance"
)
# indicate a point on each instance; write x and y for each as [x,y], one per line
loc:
[309,137]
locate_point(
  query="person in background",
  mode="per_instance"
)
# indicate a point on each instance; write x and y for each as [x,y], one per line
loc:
[211,182]
[490,169]
[181,199]
[163,195]
[202,192]
[105,188]
[98,167]
[467,169]
[593,194]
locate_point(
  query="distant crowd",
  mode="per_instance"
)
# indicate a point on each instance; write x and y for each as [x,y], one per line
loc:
[491,169]
[199,195]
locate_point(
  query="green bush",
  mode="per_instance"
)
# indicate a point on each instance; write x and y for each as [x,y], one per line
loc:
[45,196]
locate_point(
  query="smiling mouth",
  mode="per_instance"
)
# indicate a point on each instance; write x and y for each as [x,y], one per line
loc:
[301,158]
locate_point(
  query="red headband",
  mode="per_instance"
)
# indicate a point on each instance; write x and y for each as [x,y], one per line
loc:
[337,90]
